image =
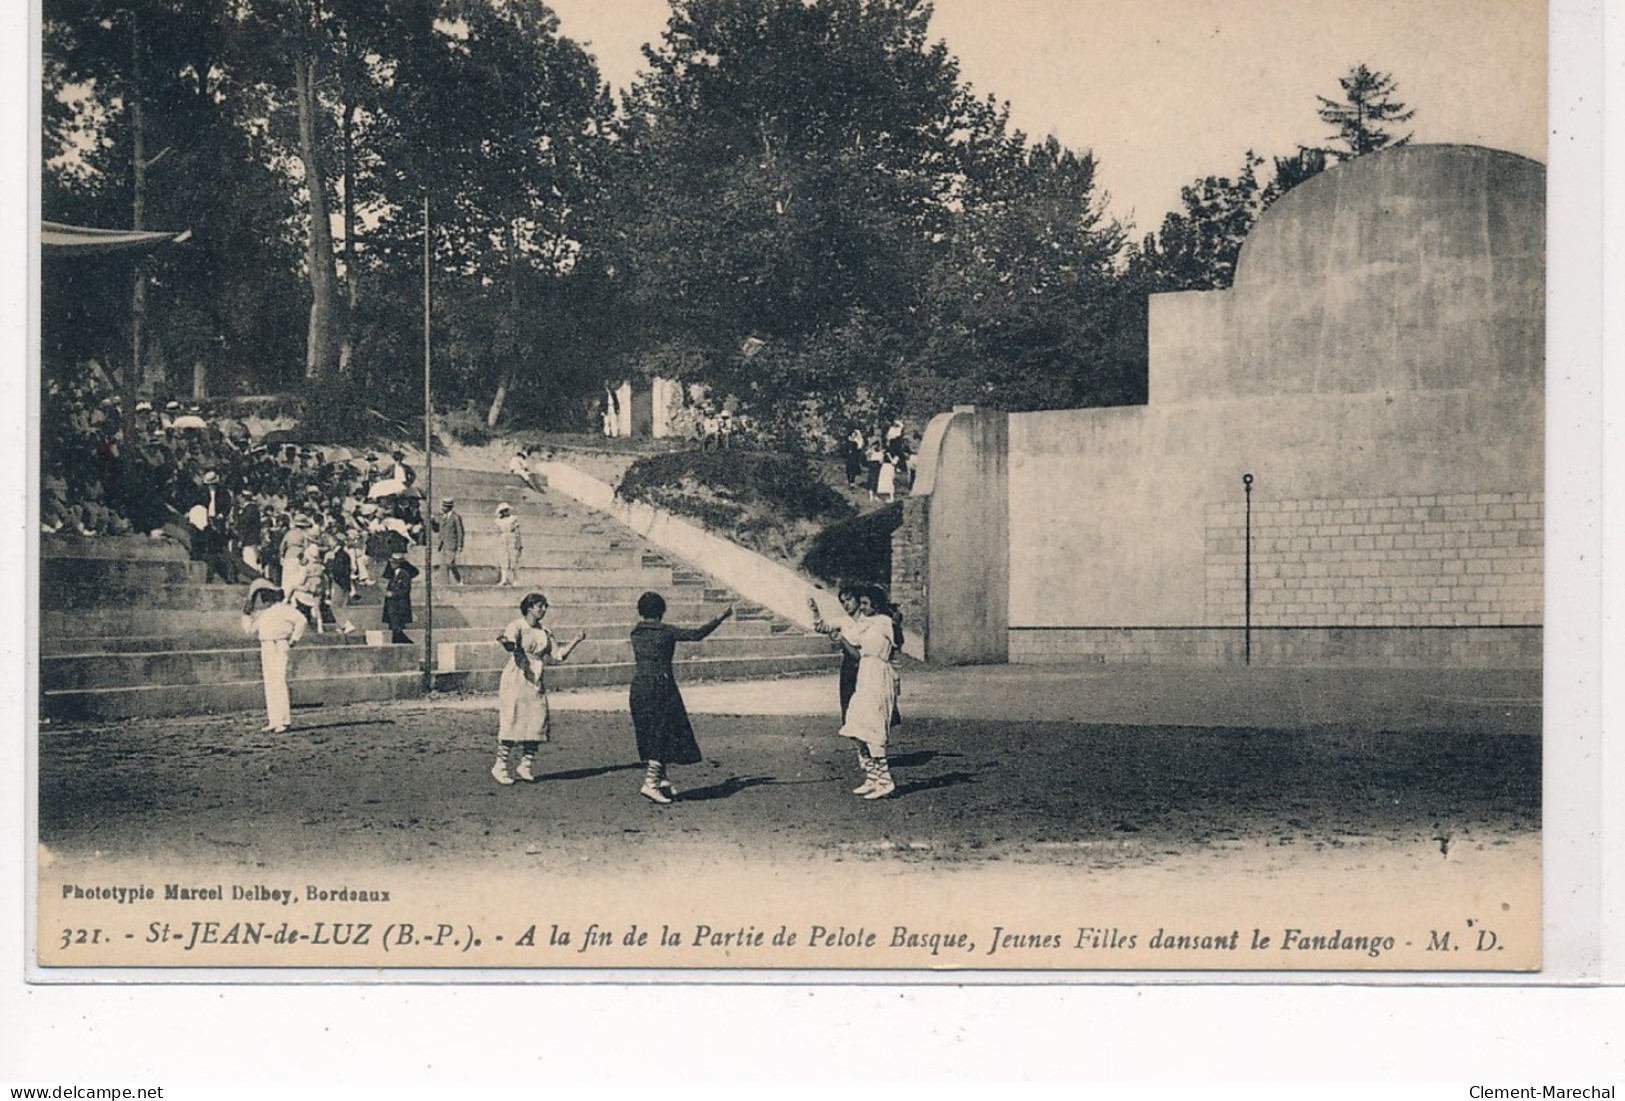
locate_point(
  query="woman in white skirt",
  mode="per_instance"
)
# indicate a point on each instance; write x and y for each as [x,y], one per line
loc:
[870,713]
[513,543]
[523,718]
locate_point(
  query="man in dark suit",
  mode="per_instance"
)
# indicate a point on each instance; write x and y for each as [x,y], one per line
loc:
[449,546]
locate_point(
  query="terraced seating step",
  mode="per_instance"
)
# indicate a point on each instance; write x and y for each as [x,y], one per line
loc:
[123,548]
[220,596]
[688,670]
[487,654]
[214,635]
[157,700]
[308,693]
[137,632]
[185,668]
[63,632]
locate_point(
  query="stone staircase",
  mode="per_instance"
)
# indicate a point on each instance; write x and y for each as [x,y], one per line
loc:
[128,627]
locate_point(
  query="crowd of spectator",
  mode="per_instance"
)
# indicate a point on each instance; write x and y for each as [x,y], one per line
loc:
[312,520]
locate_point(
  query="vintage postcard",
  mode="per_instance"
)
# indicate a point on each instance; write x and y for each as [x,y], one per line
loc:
[1003,486]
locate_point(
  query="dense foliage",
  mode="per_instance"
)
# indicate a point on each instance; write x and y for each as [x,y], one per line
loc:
[748,496]
[856,550]
[799,203]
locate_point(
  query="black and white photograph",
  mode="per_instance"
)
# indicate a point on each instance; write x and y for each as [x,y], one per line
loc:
[870,486]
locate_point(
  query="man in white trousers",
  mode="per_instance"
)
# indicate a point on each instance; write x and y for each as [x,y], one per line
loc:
[279,625]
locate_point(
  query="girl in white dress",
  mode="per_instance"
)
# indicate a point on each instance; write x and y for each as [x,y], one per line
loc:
[513,544]
[870,713]
[523,718]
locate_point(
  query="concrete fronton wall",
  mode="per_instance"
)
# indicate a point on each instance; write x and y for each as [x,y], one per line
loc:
[1418,268]
[1378,368]
[951,556]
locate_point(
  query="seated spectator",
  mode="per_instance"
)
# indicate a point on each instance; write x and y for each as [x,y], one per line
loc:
[55,513]
[519,466]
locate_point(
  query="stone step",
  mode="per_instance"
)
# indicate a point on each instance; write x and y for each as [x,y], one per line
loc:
[202,667]
[69,631]
[492,555]
[125,548]
[689,670]
[68,672]
[218,597]
[484,567]
[120,574]
[248,696]
[462,476]
[482,556]
[553,539]
[453,656]
[245,696]
[219,634]
[138,633]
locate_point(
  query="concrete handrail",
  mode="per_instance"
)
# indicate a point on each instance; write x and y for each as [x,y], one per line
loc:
[753,576]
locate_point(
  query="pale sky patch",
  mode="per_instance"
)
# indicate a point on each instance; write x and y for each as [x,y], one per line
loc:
[1164,91]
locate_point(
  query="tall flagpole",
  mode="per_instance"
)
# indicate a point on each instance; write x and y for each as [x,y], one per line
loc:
[428,472]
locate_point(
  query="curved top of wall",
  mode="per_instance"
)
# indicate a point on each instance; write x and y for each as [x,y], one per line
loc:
[1416,268]
[1413,204]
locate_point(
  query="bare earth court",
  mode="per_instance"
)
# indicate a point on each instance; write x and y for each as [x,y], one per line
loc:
[1360,792]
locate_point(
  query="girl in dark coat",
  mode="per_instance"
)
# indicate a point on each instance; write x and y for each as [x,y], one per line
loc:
[659,718]
[398,575]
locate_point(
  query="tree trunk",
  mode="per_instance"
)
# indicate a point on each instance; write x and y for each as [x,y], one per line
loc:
[495,414]
[138,215]
[319,248]
[505,382]
[352,274]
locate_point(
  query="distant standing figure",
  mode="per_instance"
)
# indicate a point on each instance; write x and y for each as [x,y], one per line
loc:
[397,577]
[872,458]
[292,552]
[659,719]
[853,455]
[523,718]
[449,525]
[896,439]
[513,543]
[278,626]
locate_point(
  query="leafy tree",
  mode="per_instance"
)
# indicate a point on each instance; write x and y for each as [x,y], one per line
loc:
[1197,248]
[1291,171]
[1026,306]
[786,166]
[816,175]
[1365,113]
[144,127]
[501,124]
[292,43]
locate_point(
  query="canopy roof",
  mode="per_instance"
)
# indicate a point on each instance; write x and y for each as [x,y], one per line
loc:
[55,237]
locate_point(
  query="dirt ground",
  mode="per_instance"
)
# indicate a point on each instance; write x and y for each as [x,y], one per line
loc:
[409,785]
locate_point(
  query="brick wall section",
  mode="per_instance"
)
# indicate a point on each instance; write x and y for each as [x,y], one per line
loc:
[1455,647]
[909,553]
[1445,560]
